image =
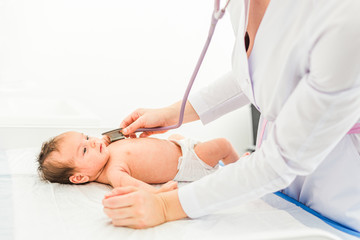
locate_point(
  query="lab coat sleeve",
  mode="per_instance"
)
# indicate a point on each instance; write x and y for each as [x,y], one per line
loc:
[317,115]
[222,96]
[234,184]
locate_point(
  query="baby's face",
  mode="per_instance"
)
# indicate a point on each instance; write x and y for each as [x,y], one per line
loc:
[89,154]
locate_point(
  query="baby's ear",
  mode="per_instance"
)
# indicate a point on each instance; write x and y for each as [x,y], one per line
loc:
[78,178]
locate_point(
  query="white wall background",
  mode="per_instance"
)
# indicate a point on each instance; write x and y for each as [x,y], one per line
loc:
[113,56]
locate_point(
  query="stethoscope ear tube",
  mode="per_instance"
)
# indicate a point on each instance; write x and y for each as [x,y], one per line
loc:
[217,14]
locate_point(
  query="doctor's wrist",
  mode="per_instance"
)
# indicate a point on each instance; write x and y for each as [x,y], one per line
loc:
[172,209]
[190,114]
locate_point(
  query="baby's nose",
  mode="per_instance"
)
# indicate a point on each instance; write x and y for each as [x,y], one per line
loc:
[93,142]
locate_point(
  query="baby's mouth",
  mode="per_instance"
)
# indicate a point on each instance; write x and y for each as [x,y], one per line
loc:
[100,148]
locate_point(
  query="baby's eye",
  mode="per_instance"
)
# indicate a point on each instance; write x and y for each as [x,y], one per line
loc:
[87,137]
[84,150]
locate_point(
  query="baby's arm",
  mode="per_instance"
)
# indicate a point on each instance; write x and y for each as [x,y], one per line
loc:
[122,179]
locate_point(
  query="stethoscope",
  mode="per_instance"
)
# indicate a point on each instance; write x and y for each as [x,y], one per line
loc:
[217,14]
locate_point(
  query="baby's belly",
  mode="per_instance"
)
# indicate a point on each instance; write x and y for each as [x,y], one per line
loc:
[149,159]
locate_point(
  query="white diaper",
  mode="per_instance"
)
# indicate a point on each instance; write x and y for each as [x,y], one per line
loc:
[190,166]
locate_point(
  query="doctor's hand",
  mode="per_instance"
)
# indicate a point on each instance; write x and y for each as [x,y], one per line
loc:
[148,118]
[162,117]
[170,185]
[136,208]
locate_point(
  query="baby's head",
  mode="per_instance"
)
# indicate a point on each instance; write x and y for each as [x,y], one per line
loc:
[72,157]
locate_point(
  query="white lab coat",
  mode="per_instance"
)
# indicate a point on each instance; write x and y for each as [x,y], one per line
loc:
[304,76]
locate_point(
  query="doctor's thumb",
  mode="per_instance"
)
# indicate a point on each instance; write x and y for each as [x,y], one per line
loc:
[131,128]
[138,123]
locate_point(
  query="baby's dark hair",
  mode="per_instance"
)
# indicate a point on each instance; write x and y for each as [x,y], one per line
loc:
[50,168]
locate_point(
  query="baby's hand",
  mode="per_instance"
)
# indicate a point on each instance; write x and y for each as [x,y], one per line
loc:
[171,185]
[106,140]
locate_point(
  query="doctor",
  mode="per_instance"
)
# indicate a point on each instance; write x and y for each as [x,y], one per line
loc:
[302,71]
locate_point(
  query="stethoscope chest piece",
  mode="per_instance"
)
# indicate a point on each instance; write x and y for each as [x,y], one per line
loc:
[114,135]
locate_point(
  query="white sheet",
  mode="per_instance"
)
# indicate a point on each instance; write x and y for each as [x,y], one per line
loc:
[33,209]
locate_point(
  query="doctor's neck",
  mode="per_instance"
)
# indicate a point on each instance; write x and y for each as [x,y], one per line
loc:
[256,13]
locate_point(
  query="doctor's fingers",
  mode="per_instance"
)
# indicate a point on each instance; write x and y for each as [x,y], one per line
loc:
[121,191]
[121,197]
[129,222]
[130,130]
[119,213]
[148,211]
[121,216]
[131,119]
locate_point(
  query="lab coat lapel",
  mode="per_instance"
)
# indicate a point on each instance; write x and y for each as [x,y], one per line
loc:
[239,17]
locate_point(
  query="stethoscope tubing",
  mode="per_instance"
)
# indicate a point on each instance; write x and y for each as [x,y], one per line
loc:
[217,14]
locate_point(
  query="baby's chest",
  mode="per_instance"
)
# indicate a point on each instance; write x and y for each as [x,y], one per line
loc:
[130,160]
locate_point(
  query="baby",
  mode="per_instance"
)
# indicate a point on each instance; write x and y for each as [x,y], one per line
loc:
[73,157]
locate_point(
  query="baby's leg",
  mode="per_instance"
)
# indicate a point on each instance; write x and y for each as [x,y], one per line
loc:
[211,152]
